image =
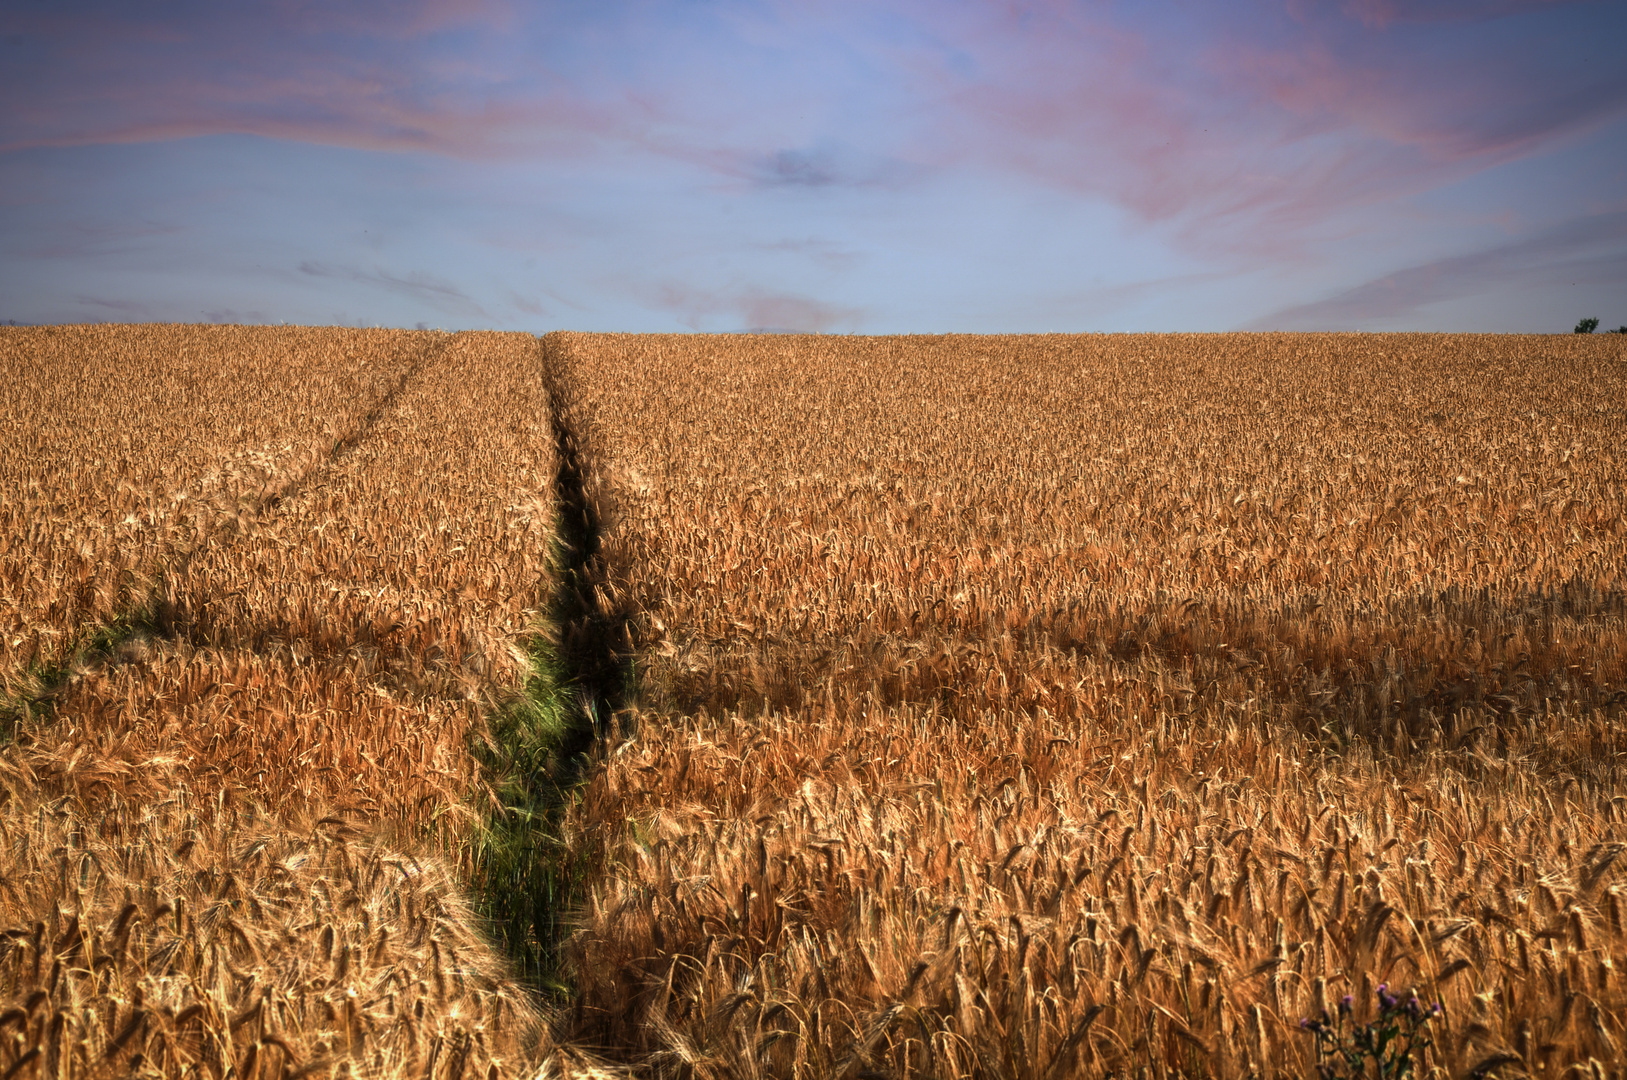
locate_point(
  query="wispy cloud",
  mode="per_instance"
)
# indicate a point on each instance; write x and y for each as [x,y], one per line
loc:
[753,309]
[372,75]
[825,166]
[1245,133]
[1450,109]
[825,254]
[1588,249]
[1243,129]
[234,317]
[797,168]
[526,305]
[1002,159]
[96,238]
[1102,300]
[417,286]
[135,309]
[1379,14]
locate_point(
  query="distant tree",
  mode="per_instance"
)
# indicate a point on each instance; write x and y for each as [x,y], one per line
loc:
[1618,330]
[1587,326]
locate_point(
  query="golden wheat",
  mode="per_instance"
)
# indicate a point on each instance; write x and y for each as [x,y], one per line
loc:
[200,937]
[121,450]
[1071,706]
[1010,706]
[218,859]
[339,649]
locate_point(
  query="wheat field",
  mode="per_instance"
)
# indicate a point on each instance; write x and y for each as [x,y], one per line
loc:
[242,822]
[124,450]
[1030,707]
[1061,706]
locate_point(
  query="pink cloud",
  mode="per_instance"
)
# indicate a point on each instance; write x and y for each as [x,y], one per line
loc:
[1382,14]
[1244,135]
[1083,103]
[417,286]
[398,21]
[365,120]
[131,310]
[372,76]
[1447,113]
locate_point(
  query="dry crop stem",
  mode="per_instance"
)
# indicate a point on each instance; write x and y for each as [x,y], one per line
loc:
[1056,706]
[122,451]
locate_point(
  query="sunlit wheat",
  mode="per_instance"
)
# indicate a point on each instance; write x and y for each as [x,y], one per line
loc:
[1065,706]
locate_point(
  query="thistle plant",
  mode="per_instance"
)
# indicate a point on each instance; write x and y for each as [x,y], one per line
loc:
[1387,1046]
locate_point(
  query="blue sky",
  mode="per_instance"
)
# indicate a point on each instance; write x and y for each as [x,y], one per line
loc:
[873,167]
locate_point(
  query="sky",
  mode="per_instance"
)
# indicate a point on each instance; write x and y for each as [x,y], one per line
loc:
[881,166]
